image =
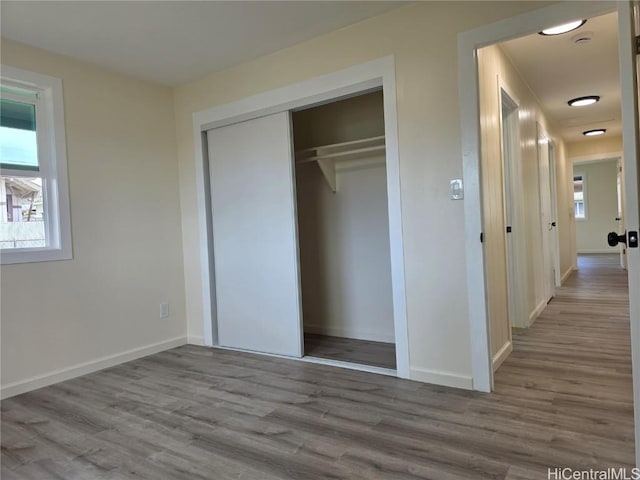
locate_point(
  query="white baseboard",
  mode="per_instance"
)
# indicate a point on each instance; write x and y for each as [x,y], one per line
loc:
[347,333]
[566,274]
[60,375]
[447,379]
[195,340]
[587,251]
[536,312]
[502,355]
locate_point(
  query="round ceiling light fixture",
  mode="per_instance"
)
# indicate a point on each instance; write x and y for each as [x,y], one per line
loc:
[584,101]
[594,132]
[564,28]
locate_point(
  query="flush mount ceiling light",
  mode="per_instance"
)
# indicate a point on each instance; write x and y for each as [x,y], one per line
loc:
[583,101]
[593,133]
[564,28]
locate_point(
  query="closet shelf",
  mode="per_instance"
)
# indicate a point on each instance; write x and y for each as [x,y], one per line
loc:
[327,155]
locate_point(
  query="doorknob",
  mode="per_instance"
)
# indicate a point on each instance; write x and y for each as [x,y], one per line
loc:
[613,239]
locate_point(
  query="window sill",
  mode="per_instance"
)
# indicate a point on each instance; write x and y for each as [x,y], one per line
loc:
[32,255]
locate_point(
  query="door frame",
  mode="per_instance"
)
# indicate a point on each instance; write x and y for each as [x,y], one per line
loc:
[468,80]
[514,204]
[587,160]
[316,91]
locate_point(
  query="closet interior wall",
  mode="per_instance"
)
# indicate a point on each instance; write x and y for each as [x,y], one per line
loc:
[344,235]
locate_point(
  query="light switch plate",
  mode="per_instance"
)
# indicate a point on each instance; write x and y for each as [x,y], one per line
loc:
[457,190]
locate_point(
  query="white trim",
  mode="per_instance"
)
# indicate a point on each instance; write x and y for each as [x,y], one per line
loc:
[370,335]
[447,379]
[195,340]
[468,43]
[52,151]
[516,254]
[566,274]
[502,355]
[62,374]
[537,311]
[595,158]
[589,251]
[341,84]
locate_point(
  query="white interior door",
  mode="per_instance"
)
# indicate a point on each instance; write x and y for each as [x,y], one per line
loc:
[255,249]
[546,228]
[514,212]
[555,238]
[629,27]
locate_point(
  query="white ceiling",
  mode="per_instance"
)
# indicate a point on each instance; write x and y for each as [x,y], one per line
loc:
[558,69]
[172,42]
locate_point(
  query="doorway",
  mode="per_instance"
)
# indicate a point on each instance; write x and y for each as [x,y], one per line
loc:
[343,232]
[470,42]
[597,204]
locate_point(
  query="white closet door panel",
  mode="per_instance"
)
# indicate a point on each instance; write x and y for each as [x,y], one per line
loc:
[254,236]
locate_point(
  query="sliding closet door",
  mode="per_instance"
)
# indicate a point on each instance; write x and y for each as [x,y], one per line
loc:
[254,236]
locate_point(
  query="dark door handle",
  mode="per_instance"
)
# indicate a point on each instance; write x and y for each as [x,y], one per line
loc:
[553,224]
[613,239]
[618,219]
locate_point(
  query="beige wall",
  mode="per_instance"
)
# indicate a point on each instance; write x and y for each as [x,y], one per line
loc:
[602,207]
[423,39]
[125,215]
[495,67]
[594,147]
[337,122]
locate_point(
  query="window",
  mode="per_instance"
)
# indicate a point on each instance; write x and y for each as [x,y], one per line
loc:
[579,197]
[34,198]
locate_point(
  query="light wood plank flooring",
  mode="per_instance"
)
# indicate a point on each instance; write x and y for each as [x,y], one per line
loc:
[563,398]
[364,352]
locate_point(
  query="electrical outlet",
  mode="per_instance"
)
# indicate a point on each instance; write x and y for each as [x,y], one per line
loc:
[164,310]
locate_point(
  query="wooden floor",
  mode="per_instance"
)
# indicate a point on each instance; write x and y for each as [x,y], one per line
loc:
[563,398]
[364,352]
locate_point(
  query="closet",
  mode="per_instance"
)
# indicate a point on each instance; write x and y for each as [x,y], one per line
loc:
[299,233]
[343,231]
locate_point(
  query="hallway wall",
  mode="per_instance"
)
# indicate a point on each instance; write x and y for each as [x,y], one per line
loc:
[495,67]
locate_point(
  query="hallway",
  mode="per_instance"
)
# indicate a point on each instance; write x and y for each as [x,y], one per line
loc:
[572,368]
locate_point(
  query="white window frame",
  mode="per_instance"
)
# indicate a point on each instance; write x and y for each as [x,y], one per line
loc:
[52,159]
[584,197]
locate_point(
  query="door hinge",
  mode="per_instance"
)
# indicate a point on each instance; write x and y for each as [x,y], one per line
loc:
[638,45]
[481,237]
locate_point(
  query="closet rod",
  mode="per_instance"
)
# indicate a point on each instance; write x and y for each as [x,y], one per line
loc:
[342,154]
[343,144]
